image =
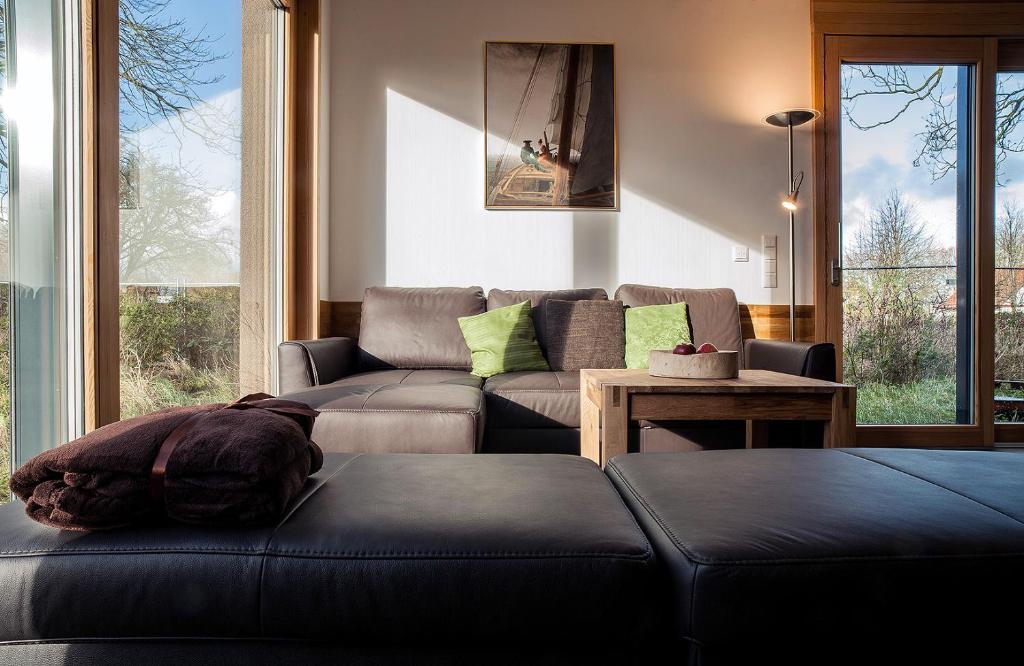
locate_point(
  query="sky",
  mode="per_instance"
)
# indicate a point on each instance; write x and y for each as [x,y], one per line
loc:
[217,172]
[878,159]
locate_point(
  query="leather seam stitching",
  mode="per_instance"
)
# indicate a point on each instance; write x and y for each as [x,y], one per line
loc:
[933,483]
[285,519]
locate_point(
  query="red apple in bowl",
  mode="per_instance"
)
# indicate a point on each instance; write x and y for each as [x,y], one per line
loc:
[707,348]
[684,349]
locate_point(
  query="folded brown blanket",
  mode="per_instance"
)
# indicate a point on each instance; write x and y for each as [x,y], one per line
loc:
[240,463]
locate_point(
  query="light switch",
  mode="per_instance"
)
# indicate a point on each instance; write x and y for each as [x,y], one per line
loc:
[769,261]
[740,253]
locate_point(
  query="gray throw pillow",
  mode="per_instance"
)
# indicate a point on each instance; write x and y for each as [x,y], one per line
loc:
[585,335]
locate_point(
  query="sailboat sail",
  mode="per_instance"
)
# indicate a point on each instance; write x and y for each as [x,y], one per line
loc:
[597,150]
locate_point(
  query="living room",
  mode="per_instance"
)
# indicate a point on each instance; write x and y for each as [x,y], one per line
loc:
[393,331]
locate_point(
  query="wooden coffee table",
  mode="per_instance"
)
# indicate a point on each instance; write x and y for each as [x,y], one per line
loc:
[610,399]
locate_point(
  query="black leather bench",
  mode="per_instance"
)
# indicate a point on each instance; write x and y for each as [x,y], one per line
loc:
[778,551]
[466,555]
[750,557]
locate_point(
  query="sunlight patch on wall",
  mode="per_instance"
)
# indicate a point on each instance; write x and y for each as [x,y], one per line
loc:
[438,233]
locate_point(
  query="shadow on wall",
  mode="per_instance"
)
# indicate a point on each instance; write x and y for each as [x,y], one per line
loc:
[439,234]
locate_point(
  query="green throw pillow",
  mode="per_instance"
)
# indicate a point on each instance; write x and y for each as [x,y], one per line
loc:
[503,340]
[654,327]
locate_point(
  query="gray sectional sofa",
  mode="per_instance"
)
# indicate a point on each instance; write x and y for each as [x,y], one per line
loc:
[405,385]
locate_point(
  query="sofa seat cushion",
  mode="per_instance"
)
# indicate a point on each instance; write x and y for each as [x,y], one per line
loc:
[408,417]
[783,545]
[378,549]
[411,377]
[533,400]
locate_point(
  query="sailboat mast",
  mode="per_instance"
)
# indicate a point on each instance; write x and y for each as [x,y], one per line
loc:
[560,195]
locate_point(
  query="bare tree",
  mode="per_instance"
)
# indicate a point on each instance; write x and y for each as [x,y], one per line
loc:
[896,312]
[172,230]
[931,90]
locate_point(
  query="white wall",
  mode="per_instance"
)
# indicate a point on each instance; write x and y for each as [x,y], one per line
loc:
[699,171]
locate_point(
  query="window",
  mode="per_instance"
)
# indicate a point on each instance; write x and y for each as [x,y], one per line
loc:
[200,205]
[906,234]
[40,230]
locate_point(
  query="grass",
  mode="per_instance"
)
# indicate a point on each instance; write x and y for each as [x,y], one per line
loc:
[173,383]
[923,402]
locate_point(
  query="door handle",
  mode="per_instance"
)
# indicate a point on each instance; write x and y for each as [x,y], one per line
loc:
[837,273]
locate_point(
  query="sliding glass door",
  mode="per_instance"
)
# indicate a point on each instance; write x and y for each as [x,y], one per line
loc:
[907,222]
[200,199]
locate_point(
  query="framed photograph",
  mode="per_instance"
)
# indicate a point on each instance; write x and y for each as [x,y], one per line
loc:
[549,126]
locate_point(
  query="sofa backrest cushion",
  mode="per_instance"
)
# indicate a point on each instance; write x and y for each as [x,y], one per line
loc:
[416,327]
[585,334]
[501,298]
[714,313]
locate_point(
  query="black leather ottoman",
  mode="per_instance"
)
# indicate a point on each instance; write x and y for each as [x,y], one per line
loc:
[444,554]
[770,553]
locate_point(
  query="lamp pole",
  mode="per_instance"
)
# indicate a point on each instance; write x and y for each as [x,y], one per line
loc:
[792,241]
[789,119]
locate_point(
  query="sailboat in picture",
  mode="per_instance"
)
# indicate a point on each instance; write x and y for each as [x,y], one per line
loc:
[550,126]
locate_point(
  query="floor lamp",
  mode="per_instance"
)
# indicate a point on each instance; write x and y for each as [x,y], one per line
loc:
[789,119]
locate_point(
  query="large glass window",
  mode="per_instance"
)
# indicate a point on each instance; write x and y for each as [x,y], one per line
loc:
[200,202]
[906,236]
[40,250]
[1009,248]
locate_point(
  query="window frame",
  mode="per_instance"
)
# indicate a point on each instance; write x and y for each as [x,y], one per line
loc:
[299,268]
[835,50]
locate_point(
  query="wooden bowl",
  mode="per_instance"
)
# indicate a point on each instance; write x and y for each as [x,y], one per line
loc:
[714,365]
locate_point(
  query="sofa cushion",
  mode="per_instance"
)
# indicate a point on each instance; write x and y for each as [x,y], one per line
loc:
[416,327]
[650,327]
[775,545]
[502,340]
[585,334]
[714,313]
[381,550]
[500,298]
[396,418]
[533,400]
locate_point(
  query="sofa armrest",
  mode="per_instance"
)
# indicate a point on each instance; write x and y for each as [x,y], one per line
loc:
[305,363]
[806,359]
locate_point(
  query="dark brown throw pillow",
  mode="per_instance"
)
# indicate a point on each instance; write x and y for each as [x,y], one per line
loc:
[585,335]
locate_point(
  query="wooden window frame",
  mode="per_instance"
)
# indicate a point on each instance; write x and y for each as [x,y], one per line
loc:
[983,32]
[101,238]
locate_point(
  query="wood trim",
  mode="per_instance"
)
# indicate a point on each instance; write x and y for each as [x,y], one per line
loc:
[88,17]
[102,258]
[920,436]
[920,18]
[1010,55]
[302,89]
[771,322]
[985,242]
[1009,433]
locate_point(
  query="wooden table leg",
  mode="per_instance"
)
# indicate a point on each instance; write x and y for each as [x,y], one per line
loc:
[757,434]
[614,422]
[590,428]
[841,430]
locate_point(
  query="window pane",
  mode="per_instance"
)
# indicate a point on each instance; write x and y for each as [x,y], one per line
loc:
[906,230]
[198,107]
[1009,255]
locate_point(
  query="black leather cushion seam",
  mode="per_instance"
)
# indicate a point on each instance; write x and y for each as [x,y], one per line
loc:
[370,395]
[131,551]
[441,555]
[795,561]
[937,485]
[285,519]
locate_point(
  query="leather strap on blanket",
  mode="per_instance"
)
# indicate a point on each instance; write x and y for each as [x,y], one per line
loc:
[158,474]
